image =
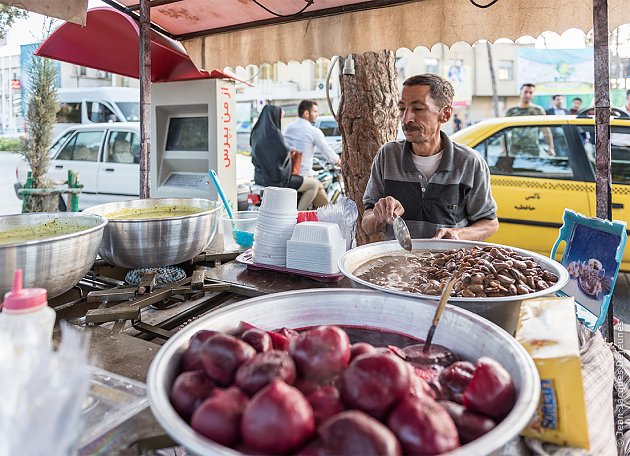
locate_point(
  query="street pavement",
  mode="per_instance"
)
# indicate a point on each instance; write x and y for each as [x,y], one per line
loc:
[9,202]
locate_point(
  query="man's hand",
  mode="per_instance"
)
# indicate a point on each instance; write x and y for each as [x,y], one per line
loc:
[383,213]
[386,209]
[551,152]
[478,231]
[447,233]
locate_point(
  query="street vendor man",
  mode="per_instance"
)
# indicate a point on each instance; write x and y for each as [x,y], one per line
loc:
[440,188]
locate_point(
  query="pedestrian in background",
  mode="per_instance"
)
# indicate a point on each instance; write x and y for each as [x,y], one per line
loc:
[525,139]
[626,108]
[577,106]
[557,109]
[457,122]
[304,137]
[271,157]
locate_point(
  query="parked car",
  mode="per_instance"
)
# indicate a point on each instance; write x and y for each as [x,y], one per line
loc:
[532,188]
[107,157]
[329,126]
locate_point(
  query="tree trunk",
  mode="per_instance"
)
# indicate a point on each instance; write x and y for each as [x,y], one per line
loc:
[368,119]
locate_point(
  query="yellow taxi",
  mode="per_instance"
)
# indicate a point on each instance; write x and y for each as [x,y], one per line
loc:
[541,165]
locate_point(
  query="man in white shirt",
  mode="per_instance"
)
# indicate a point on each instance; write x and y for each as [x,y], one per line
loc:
[626,108]
[302,136]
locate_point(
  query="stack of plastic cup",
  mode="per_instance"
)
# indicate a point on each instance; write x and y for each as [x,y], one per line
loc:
[276,220]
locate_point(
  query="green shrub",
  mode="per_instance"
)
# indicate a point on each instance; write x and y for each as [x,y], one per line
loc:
[11,144]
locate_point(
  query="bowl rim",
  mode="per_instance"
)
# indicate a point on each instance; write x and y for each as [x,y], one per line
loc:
[102,223]
[177,428]
[560,270]
[101,209]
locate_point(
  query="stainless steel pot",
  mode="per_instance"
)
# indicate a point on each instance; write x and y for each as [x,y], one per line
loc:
[56,263]
[464,332]
[503,311]
[146,243]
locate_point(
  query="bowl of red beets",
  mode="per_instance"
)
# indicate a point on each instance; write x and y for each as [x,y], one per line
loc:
[336,372]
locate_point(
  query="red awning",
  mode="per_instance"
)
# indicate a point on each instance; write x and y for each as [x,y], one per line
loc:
[110,42]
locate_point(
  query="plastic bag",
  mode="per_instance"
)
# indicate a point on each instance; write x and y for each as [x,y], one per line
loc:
[344,213]
[42,392]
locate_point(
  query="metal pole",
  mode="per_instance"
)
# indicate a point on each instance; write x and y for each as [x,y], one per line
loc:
[493,78]
[145,99]
[603,182]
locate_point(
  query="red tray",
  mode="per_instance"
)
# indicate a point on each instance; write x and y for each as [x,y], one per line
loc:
[246,259]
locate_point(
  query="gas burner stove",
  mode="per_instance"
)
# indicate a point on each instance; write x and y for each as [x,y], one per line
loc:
[166,274]
[150,304]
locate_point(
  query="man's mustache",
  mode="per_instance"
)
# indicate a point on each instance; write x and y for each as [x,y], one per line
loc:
[410,128]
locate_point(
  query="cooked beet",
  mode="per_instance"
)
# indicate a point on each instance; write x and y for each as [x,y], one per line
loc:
[470,425]
[242,327]
[190,389]
[308,386]
[490,390]
[375,383]
[260,340]
[314,448]
[321,352]
[437,354]
[190,358]
[278,341]
[397,351]
[355,433]
[455,378]
[418,386]
[423,427]
[326,403]
[428,372]
[258,372]
[361,348]
[218,417]
[278,419]
[221,355]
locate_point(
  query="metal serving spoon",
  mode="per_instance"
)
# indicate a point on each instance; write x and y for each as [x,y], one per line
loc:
[401,232]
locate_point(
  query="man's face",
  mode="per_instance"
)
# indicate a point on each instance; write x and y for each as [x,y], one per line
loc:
[558,102]
[420,117]
[313,113]
[527,93]
[577,105]
[628,100]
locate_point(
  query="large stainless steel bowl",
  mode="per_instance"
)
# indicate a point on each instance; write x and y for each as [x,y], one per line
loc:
[147,243]
[503,311]
[56,263]
[464,332]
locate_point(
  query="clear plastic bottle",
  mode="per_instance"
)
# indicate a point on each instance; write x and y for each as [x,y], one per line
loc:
[26,317]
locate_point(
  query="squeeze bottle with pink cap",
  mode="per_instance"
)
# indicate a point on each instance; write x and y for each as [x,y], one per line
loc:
[26,316]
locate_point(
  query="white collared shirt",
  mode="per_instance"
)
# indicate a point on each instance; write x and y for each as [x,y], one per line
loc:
[304,137]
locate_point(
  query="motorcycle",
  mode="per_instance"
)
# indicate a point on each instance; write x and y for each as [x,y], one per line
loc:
[329,175]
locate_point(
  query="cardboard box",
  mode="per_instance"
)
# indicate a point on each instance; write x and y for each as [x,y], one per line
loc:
[547,330]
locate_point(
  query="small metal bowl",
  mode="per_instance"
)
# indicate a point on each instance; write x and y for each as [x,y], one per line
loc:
[153,242]
[467,334]
[503,311]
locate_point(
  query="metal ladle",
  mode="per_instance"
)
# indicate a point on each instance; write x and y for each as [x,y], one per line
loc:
[401,232]
[446,293]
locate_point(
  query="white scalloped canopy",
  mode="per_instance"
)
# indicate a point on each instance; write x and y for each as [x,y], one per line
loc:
[68,10]
[421,23]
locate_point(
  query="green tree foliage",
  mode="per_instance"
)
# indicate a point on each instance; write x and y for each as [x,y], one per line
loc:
[8,15]
[40,117]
